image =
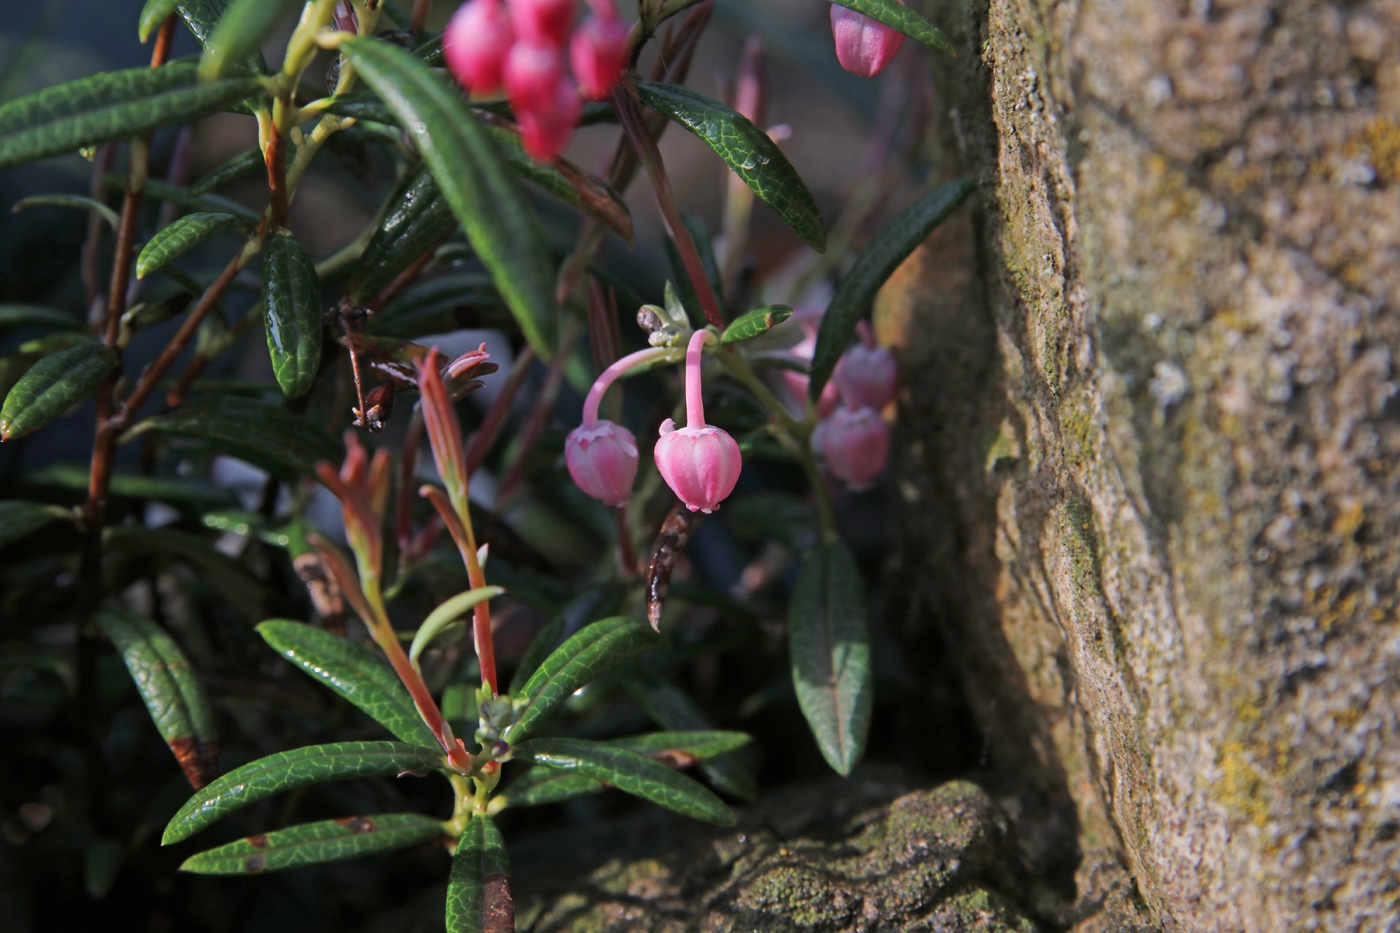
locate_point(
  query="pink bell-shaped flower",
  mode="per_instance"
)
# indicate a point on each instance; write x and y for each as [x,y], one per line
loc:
[863,46]
[543,20]
[545,131]
[603,461]
[475,44]
[598,53]
[866,374]
[856,444]
[534,73]
[700,462]
[809,319]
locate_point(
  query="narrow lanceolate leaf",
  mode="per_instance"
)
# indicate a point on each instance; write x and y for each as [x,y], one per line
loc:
[173,695]
[107,106]
[478,889]
[671,708]
[444,615]
[153,14]
[628,771]
[599,647]
[284,771]
[37,316]
[903,19]
[248,162]
[291,297]
[748,151]
[182,235]
[474,178]
[196,199]
[755,323]
[830,653]
[417,217]
[240,31]
[704,246]
[891,246]
[436,307]
[316,844]
[203,17]
[240,589]
[18,519]
[569,183]
[780,516]
[597,601]
[177,490]
[68,200]
[267,436]
[353,673]
[52,386]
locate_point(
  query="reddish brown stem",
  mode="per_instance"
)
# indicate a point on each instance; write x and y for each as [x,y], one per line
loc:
[276,158]
[419,19]
[101,165]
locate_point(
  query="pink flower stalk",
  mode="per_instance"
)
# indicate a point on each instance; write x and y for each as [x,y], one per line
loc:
[475,44]
[700,462]
[856,444]
[863,46]
[600,454]
[867,374]
[598,53]
[542,20]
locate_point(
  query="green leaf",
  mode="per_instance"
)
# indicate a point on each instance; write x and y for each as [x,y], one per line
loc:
[755,323]
[284,771]
[316,844]
[291,297]
[578,189]
[173,695]
[474,178]
[903,19]
[704,246]
[184,234]
[37,316]
[196,200]
[593,603]
[449,612]
[891,246]
[830,653]
[52,386]
[353,673]
[267,436]
[478,889]
[239,587]
[628,771]
[688,297]
[18,519]
[778,515]
[68,200]
[597,648]
[179,490]
[239,33]
[153,14]
[748,151]
[671,708]
[417,216]
[202,17]
[434,307]
[109,105]
[248,162]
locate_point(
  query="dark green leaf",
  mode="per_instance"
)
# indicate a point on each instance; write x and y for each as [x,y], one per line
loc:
[541,785]
[568,183]
[417,217]
[234,582]
[195,200]
[891,246]
[435,307]
[671,708]
[240,31]
[52,343]
[68,200]
[173,489]
[267,436]
[184,234]
[779,515]
[291,297]
[52,386]
[628,771]
[903,19]
[755,323]
[314,764]
[353,673]
[474,178]
[597,601]
[597,648]
[316,844]
[830,653]
[153,14]
[202,17]
[246,163]
[478,889]
[173,695]
[102,860]
[109,105]
[748,151]
[37,316]
[18,519]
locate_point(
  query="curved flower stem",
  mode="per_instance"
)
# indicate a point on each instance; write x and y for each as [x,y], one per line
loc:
[610,375]
[694,390]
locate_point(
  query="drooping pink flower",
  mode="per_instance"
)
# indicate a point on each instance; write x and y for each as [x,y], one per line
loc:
[533,73]
[543,20]
[809,319]
[603,461]
[545,131]
[475,44]
[598,52]
[863,46]
[856,444]
[866,375]
[700,462]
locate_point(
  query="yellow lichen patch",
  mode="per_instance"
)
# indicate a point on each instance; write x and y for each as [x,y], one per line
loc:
[1349,519]
[1241,784]
[1382,137]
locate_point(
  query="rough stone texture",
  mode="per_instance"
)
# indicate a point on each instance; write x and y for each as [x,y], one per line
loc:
[1149,445]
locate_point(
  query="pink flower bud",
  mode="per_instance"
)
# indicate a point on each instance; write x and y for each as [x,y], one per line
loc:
[866,376]
[856,445]
[475,44]
[603,461]
[542,20]
[809,319]
[533,72]
[700,464]
[546,130]
[863,46]
[598,53]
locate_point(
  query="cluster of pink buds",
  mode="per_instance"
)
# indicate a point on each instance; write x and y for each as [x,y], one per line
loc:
[854,437]
[700,462]
[863,45]
[524,49]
